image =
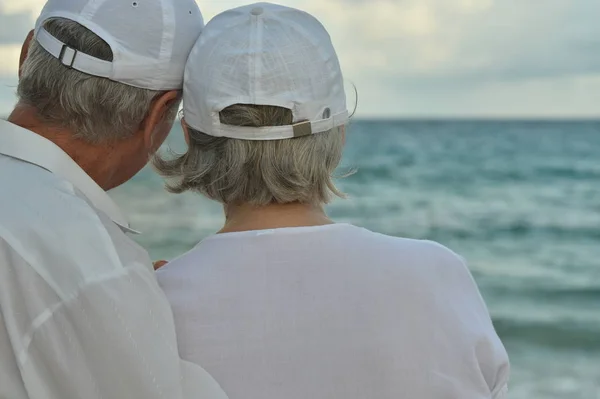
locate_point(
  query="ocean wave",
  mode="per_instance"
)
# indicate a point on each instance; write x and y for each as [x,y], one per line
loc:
[555,334]
[569,173]
[581,295]
[554,294]
[516,229]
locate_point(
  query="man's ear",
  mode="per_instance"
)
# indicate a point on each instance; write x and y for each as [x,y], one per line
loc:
[161,107]
[25,50]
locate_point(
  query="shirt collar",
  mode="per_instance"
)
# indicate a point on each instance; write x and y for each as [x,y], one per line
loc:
[20,143]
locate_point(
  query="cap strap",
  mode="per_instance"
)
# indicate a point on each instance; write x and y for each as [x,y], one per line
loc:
[299,129]
[72,58]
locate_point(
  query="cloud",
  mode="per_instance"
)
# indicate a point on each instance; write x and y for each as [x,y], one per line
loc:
[508,39]
[31,6]
[469,57]
[570,96]
[409,57]
[513,42]
[14,26]
[9,53]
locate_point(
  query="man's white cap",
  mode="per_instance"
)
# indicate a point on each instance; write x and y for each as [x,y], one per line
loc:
[264,54]
[150,39]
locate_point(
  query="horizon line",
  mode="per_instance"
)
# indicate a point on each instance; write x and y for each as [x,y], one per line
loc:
[463,118]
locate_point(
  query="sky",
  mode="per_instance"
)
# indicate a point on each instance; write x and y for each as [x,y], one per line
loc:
[429,58]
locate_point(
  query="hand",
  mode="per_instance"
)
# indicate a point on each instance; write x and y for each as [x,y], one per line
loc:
[159,263]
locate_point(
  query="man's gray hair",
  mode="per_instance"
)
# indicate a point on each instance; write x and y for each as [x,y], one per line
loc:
[95,109]
[259,173]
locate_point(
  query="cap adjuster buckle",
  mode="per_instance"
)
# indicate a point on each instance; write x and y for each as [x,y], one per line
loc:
[302,129]
[61,56]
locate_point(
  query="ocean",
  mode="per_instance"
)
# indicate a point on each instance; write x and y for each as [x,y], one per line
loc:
[519,200]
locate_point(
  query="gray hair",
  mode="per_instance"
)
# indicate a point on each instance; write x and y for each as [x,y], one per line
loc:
[95,109]
[259,173]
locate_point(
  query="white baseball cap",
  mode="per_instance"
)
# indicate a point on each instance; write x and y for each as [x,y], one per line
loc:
[150,39]
[264,54]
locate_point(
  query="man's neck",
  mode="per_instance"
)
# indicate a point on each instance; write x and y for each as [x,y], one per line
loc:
[248,218]
[93,159]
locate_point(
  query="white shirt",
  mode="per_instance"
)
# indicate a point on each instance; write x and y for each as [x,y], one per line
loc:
[334,312]
[81,313]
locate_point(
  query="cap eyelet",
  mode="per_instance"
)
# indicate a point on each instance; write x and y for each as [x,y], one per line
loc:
[135,4]
[327,113]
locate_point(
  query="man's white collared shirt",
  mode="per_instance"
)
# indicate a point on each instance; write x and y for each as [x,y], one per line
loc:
[81,313]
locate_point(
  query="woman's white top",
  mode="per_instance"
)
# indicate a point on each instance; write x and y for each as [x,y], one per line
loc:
[334,312]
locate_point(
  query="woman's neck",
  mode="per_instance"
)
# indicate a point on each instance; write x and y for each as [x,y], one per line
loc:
[247,218]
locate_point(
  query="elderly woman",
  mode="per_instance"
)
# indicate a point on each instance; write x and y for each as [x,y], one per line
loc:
[283,303]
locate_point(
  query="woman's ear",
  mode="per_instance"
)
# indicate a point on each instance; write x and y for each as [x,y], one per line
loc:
[25,50]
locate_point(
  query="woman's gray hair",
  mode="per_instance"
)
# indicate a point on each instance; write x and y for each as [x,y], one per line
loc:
[259,173]
[95,109]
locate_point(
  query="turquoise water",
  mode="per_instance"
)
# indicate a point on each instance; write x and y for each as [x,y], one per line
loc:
[520,200]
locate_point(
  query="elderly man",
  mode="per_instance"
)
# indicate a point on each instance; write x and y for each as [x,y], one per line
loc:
[81,314]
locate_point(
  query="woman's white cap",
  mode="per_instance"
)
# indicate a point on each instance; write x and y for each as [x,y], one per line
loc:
[264,54]
[150,39]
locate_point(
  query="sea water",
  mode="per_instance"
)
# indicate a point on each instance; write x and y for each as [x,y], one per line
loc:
[519,200]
